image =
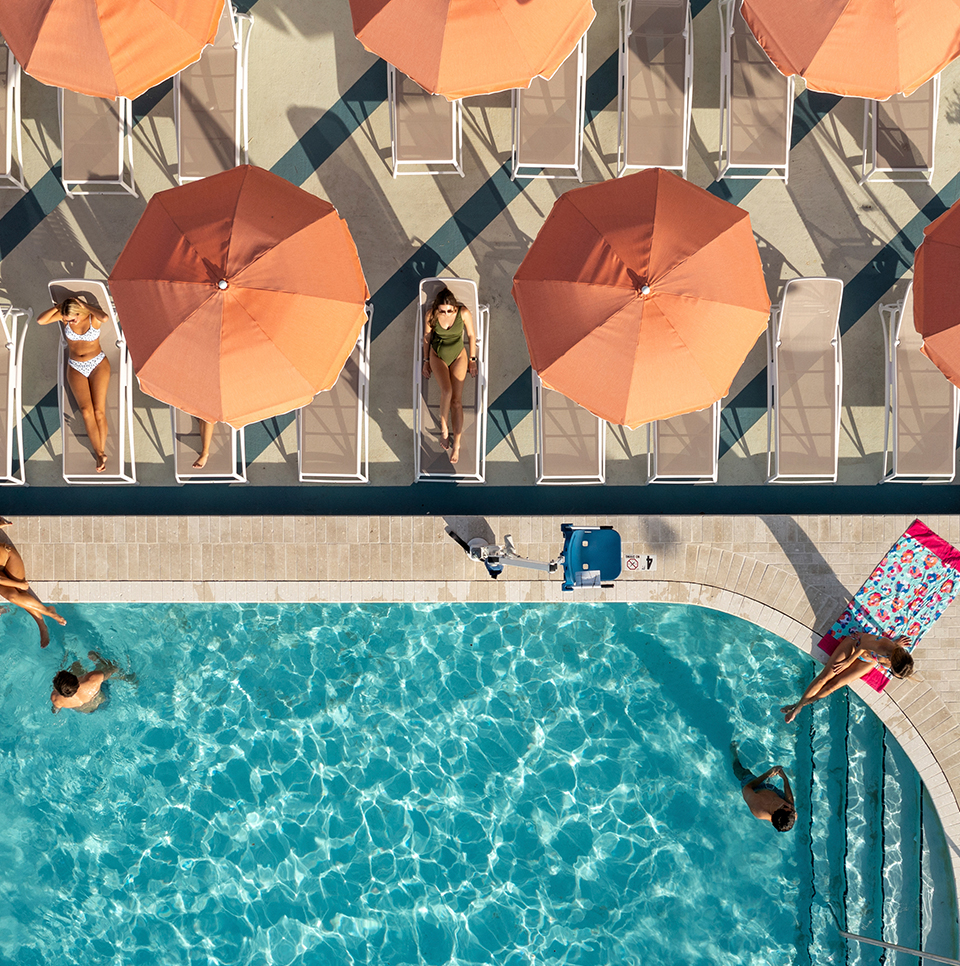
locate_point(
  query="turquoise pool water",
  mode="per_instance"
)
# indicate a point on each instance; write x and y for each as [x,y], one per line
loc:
[402,784]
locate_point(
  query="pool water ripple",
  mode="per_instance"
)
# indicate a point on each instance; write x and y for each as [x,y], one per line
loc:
[400,784]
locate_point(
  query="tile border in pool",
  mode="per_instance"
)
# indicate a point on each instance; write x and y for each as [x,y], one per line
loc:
[789,574]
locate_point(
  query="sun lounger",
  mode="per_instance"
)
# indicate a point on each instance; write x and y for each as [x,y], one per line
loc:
[431,460]
[899,135]
[756,104]
[79,465]
[96,137]
[14,324]
[11,134]
[228,452]
[921,407]
[685,449]
[804,382]
[426,130]
[655,91]
[332,432]
[906,594]
[548,121]
[569,442]
[210,103]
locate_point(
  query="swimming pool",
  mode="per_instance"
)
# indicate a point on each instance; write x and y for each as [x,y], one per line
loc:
[326,784]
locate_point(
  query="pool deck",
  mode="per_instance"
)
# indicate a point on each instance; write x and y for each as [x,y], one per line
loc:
[790,575]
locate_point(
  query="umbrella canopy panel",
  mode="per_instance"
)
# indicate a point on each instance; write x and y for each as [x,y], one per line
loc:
[241,296]
[859,48]
[936,293]
[107,48]
[463,47]
[641,297]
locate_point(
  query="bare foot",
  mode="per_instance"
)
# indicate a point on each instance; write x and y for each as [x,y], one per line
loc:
[44,632]
[445,442]
[60,620]
[790,712]
[201,461]
[455,455]
[4,522]
[101,462]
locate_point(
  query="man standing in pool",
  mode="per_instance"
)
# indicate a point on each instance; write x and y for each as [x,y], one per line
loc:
[82,693]
[765,802]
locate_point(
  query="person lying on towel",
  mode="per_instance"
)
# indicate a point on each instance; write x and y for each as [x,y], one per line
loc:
[855,656]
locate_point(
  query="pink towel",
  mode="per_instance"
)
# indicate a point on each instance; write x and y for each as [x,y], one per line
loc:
[906,593]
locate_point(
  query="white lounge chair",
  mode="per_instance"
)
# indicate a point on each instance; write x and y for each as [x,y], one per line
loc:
[804,382]
[14,323]
[11,134]
[569,442]
[426,130]
[685,449]
[431,460]
[333,431]
[655,90]
[756,104]
[210,103]
[227,462]
[548,121]
[900,134]
[921,406]
[96,137]
[78,461]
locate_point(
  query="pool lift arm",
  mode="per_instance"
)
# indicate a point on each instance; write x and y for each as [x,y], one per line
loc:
[590,557]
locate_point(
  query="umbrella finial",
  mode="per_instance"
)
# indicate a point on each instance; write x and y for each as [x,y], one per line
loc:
[644,289]
[222,284]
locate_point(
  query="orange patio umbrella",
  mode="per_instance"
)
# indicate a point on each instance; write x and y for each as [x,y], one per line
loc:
[463,47]
[936,293]
[107,48]
[641,297]
[241,296]
[859,48]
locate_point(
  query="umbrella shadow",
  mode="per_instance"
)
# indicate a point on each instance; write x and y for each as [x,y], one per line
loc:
[476,119]
[155,103]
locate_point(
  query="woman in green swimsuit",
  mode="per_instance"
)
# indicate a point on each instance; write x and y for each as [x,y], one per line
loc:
[445,355]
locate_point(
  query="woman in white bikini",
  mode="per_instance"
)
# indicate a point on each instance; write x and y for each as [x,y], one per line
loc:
[446,356]
[856,655]
[88,372]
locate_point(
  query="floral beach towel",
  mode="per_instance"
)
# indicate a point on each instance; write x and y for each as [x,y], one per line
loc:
[906,593]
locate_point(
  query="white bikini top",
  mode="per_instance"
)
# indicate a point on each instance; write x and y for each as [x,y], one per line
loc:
[91,335]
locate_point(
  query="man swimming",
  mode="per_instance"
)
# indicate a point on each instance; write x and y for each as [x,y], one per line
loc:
[765,802]
[82,694]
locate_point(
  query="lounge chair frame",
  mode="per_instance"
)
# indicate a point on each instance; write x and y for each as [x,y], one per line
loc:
[624,162]
[326,403]
[729,167]
[13,140]
[894,319]
[124,182]
[466,291]
[14,324]
[657,473]
[114,345]
[575,445]
[870,165]
[242,25]
[522,165]
[446,165]
[228,456]
[775,474]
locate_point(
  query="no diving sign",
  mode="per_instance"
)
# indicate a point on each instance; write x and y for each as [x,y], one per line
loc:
[640,561]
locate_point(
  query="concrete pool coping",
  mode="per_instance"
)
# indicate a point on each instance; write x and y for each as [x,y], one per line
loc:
[789,574]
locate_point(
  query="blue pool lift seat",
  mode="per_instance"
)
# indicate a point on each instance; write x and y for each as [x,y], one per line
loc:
[591,556]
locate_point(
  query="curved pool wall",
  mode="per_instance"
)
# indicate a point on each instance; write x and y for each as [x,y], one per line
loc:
[789,574]
[429,783]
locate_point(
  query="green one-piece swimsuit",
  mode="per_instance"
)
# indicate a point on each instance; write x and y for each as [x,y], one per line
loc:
[448,343]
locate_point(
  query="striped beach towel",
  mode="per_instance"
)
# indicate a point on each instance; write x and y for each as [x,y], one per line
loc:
[905,595]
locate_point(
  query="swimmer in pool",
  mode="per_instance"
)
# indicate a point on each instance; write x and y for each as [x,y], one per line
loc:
[856,655]
[764,800]
[82,693]
[15,587]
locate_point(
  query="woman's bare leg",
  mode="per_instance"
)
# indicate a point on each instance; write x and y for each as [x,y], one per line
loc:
[458,373]
[206,434]
[35,608]
[825,683]
[87,392]
[439,368]
[99,381]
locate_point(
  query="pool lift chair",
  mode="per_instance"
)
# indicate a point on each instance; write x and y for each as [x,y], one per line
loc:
[590,557]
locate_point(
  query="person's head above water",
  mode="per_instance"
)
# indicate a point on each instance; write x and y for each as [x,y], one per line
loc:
[66,684]
[783,818]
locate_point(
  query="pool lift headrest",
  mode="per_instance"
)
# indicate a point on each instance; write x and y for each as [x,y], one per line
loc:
[590,556]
